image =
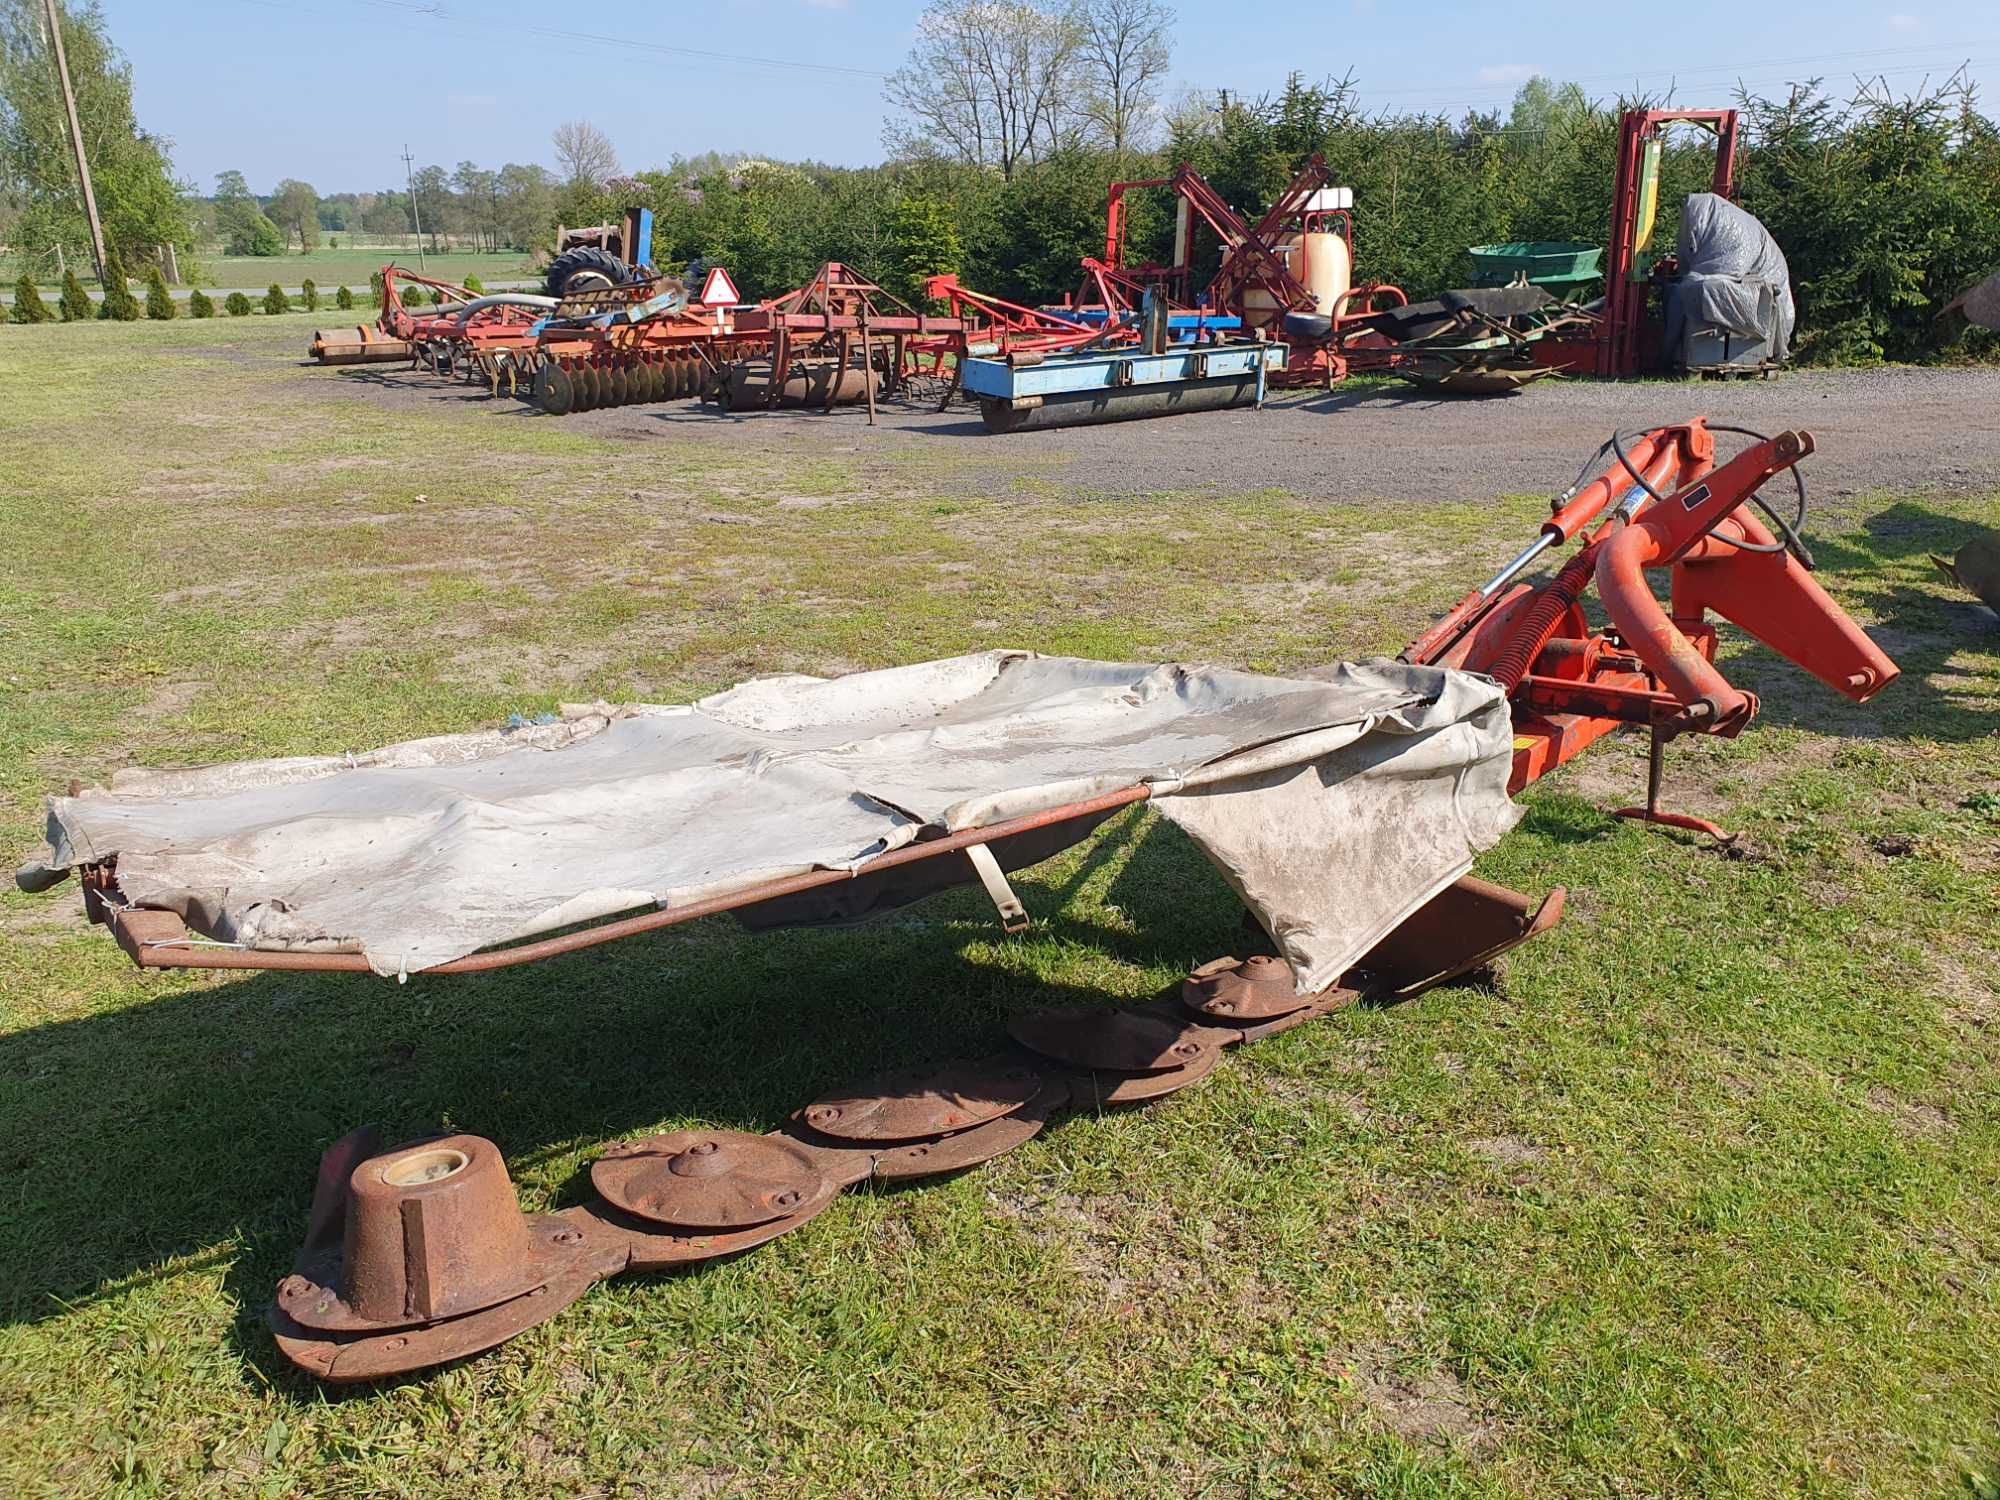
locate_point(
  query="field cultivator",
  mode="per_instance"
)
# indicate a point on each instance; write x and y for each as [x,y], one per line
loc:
[836,340]
[421,1254]
[461,323]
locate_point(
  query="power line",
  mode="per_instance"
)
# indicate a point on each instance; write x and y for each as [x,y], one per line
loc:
[625,44]
[1943,51]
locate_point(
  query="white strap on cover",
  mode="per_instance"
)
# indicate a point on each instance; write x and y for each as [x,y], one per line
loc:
[1013,915]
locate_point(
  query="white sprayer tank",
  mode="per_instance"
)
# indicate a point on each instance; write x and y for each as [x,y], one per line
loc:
[1320,259]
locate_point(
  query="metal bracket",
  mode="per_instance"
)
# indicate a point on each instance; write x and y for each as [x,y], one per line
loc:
[1013,915]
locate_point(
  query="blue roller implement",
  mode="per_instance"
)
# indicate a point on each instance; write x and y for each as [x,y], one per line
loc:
[1070,390]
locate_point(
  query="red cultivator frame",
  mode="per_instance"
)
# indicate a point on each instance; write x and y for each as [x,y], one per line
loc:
[421,1254]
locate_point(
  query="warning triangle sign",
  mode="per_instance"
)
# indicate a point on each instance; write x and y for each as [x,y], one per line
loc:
[717,290]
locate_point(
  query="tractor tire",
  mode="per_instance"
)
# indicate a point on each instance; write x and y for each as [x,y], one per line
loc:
[585,269]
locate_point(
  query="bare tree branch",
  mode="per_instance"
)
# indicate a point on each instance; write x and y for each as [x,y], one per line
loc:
[585,152]
[989,83]
[1125,52]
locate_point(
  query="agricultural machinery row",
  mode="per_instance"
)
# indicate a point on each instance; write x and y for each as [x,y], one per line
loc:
[1139,337]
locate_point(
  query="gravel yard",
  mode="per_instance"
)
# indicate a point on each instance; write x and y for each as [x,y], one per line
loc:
[1891,429]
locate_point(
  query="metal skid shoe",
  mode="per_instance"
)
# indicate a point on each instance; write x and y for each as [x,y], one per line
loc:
[421,1255]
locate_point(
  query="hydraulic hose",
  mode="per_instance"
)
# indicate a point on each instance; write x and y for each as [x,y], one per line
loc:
[502,299]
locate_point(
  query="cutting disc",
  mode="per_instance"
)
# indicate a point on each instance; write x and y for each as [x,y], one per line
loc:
[1250,989]
[711,1179]
[554,390]
[1119,1041]
[919,1103]
[343,1359]
[968,1148]
[661,1247]
[1107,1087]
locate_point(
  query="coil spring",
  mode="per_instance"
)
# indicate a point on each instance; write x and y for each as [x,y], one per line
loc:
[1539,624]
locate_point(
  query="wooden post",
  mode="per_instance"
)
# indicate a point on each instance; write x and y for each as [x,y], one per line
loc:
[75,135]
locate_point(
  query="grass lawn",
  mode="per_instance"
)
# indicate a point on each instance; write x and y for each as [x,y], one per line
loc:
[1702,1199]
[352,267]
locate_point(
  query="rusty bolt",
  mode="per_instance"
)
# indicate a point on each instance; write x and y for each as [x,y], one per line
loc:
[568,1236]
[787,1199]
[823,1112]
[394,1344]
[702,1148]
[292,1286]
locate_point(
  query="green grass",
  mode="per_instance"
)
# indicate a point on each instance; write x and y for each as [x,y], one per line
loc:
[353,266]
[1702,1199]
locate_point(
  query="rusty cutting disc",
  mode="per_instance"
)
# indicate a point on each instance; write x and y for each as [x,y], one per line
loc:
[341,1359]
[1249,989]
[1105,1086]
[711,1179]
[554,390]
[1118,1041]
[662,1247]
[968,1148]
[915,1104]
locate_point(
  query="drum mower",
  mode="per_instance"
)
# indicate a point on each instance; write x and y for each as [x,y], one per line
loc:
[1343,806]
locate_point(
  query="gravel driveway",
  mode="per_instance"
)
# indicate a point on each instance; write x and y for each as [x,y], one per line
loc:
[1891,429]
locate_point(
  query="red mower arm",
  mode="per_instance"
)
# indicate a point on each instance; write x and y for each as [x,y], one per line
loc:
[1700,532]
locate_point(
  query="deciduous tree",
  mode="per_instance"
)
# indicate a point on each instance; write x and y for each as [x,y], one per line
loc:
[1125,49]
[988,83]
[295,210]
[137,198]
[584,152]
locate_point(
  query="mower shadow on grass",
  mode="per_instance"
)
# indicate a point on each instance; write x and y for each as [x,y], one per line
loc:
[1912,616]
[198,1116]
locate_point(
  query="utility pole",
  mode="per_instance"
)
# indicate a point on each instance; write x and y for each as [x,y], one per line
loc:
[416,218]
[54,14]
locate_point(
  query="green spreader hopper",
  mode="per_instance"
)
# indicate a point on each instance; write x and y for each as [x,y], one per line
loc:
[1562,267]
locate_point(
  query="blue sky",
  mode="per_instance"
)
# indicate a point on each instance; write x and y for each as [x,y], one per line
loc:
[330,90]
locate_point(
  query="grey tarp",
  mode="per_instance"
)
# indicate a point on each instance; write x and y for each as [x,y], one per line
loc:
[1733,276]
[1335,806]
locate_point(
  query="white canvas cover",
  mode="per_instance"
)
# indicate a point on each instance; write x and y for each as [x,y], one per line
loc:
[1336,805]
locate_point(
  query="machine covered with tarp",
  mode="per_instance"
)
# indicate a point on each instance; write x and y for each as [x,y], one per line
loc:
[1731,305]
[1336,807]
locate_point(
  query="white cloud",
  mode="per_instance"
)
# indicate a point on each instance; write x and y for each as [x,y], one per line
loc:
[1902,21]
[1509,72]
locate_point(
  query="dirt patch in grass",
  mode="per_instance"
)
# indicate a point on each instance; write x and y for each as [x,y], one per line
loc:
[1427,1406]
[1911,1116]
[1505,1150]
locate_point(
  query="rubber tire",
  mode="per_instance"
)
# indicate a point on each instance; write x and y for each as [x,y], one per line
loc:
[1308,325]
[585,262]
